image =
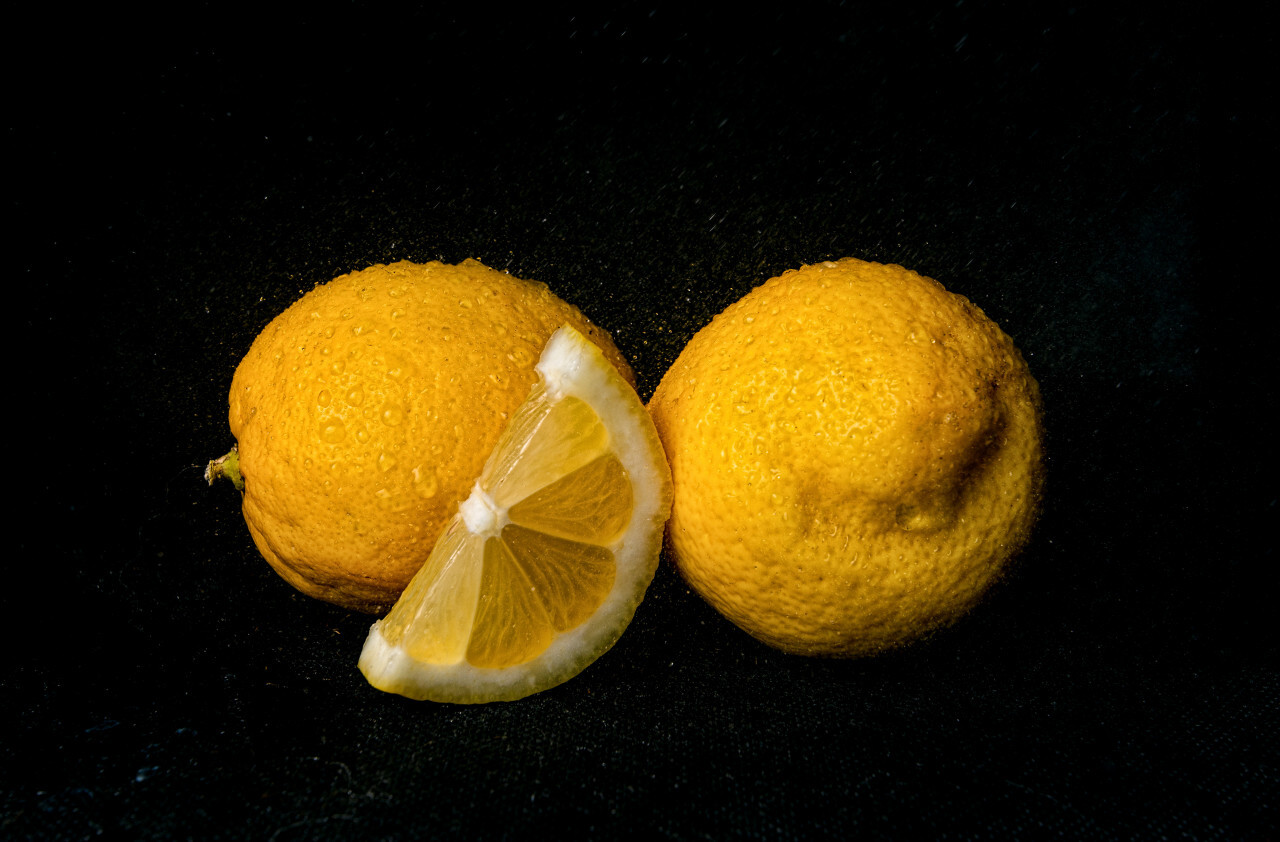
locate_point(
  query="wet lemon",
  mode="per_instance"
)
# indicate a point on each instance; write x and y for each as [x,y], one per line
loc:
[856,455]
[365,411]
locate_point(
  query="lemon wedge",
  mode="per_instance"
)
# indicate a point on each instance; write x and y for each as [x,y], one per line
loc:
[543,566]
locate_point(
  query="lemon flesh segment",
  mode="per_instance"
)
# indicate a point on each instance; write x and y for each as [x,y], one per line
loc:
[544,564]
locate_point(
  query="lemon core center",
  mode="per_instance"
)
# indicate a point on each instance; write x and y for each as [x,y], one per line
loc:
[482,514]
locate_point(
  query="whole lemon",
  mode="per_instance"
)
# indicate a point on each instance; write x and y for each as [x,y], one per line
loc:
[365,411]
[856,454]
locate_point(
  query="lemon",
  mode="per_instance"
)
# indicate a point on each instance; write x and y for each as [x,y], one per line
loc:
[543,565]
[856,455]
[364,412]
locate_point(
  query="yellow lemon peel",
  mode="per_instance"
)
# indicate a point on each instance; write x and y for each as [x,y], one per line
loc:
[856,455]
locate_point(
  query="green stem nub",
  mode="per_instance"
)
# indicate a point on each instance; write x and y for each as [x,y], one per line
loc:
[227,467]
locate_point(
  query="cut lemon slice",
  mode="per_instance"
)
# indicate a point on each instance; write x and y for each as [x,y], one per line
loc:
[541,569]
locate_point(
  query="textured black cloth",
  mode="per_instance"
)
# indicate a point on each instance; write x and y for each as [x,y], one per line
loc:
[1096,177]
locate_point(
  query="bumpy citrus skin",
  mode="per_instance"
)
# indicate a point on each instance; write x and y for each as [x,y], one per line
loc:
[364,412]
[856,456]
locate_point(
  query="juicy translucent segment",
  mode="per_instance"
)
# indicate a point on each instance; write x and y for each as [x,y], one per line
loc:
[533,587]
[500,600]
[544,442]
[440,603]
[592,504]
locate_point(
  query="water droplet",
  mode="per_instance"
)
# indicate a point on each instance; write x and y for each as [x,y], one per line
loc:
[356,330]
[328,332]
[397,313]
[424,482]
[465,304]
[392,414]
[346,314]
[386,461]
[355,397]
[397,366]
[324,398]
[332,431]
[362,435]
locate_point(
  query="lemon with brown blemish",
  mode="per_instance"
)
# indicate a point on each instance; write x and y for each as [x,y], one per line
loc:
[856,456]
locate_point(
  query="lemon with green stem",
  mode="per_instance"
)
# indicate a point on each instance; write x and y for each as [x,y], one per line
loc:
[364,412]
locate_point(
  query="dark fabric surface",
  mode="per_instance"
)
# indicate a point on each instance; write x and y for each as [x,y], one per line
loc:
[1086,173]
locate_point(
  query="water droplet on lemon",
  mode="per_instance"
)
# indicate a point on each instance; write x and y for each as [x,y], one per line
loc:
[424,482]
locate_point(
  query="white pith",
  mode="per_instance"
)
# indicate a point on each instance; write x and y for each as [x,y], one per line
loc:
[482,515]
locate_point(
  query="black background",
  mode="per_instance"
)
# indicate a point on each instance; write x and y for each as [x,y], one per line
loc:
[1095,176]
